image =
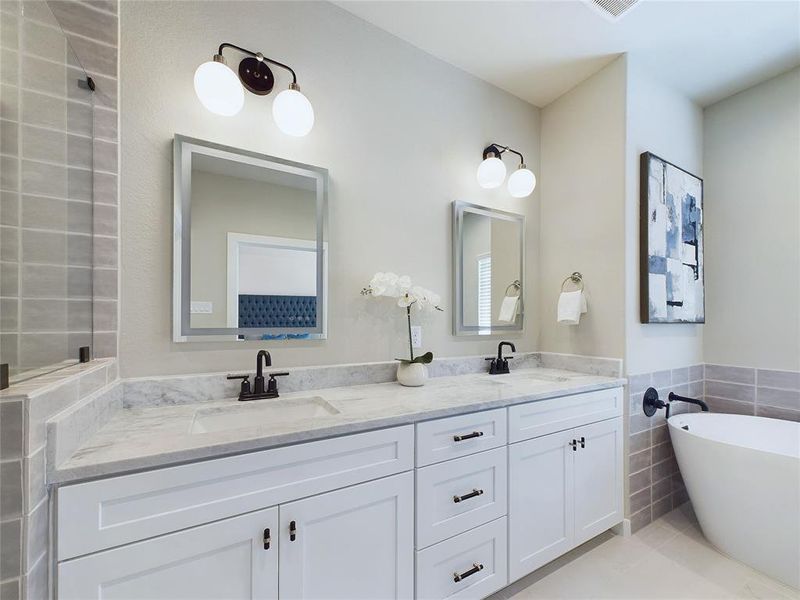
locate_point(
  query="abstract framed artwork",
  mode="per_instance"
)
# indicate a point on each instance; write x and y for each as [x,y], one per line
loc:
[671,238]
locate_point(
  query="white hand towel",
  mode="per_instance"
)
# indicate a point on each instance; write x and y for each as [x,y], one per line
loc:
[571,305]
[508,309]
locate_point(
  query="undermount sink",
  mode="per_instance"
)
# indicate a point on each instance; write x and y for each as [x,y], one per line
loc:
[543,377]
[256,412]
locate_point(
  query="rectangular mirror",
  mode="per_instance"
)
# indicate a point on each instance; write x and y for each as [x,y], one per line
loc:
[250,256]
[488,267]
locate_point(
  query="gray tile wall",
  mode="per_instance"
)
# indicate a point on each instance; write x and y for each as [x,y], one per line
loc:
[55,150]
[655,486]
[25,410]
[750,391]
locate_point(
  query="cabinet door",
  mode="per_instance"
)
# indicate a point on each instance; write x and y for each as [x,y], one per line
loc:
[540,502]
[352,543]
[226,559]
[598,478]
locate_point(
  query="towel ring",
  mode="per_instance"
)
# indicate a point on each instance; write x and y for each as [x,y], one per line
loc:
[575,278]
[516,284]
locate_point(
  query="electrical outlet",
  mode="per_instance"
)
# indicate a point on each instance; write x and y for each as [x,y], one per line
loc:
[201,308]
[416,336]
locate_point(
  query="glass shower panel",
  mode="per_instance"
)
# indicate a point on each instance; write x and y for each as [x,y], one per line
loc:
[46,215]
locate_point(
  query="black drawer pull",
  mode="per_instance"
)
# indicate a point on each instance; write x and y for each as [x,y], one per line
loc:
[475,568]
[467,436]
[583,442]
[472,494]
[574,445]
[267,539]
[292,531]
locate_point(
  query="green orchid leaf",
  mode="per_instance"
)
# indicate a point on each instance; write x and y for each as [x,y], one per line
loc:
[424,359]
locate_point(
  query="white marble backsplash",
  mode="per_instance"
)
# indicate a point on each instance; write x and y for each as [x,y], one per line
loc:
[209,387]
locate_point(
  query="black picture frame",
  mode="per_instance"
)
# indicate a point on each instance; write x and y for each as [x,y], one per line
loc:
[650,297]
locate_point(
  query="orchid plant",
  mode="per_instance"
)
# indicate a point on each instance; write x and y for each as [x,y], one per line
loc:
[390,285]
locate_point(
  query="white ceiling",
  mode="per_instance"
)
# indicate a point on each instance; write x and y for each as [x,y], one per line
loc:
[539,49]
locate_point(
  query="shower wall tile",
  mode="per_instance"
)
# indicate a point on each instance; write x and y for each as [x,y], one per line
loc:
[44,179]
[43,281]
[41,212]
[43,41]
[43,111]
[86,21]
[9,208]
[9,244]
[95,58]
[9,137]
[105,124]
[44,315]
[43,247]
[42,75]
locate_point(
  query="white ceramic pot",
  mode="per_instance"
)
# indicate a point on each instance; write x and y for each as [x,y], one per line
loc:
[412,374]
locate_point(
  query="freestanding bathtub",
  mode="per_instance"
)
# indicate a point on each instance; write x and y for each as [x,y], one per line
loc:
[742,474]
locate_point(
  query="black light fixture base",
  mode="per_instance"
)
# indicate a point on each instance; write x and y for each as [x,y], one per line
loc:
[256,76]
[491,149]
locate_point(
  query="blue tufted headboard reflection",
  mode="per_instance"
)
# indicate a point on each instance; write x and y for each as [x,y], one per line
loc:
[277,311]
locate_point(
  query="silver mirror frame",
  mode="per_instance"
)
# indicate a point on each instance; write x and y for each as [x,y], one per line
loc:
[459,329]
[183,148]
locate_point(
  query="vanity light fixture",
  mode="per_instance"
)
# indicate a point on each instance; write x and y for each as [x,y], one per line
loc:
[221,90]
[492,172]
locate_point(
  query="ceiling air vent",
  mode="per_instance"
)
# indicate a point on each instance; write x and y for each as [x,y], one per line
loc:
[613,9]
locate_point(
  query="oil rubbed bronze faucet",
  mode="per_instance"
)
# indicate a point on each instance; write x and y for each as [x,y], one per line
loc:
[499,365]
[259,392]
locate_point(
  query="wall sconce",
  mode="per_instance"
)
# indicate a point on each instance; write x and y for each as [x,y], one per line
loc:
[492,172]
[221,91]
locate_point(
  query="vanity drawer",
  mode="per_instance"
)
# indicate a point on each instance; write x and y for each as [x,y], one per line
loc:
[526,421]
[111,512]
[470,565]
[459,436]
[460,494]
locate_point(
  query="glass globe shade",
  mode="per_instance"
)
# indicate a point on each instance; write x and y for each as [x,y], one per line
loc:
[491,173]
[293,113]
[218,88]
[521,183]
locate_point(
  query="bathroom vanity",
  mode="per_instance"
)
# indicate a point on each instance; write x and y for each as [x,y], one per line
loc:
[449,491]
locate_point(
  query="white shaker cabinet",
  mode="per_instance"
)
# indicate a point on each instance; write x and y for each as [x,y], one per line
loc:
[540,502]
[565,488]
[235,559]
[352,543]
[598,478]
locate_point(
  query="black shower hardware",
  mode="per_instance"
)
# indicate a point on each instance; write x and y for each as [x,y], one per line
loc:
[259,391]
[499,365]
[651,403]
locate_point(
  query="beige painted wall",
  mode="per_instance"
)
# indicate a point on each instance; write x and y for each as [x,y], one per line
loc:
[222,204]
[752,190]
[400,132]
[582,188]
[662,121]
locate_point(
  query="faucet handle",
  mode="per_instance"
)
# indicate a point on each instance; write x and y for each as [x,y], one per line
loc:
[272,384]
[245,389]
[243,377]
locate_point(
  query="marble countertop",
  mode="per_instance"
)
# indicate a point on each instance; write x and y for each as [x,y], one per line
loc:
[150,437]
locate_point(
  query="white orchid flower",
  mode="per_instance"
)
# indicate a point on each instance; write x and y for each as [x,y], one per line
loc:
[406,300]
